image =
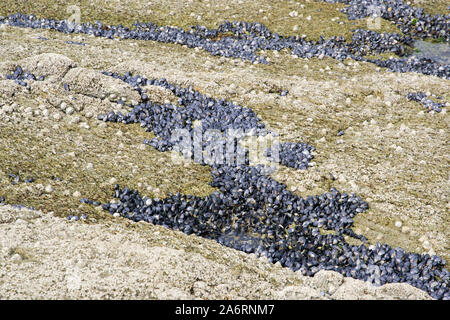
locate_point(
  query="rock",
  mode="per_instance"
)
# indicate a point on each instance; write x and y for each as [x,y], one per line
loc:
[69,110]
[160,95]
[16,257]
[241,183]
[84,125]
[74,120]
[9,88]
[426,245]
[52,66]
[95,84]
[334,48]
[327,281]
[299,293]
[399,149]
[405,229]
[211,266]
[358,290]
[56,116]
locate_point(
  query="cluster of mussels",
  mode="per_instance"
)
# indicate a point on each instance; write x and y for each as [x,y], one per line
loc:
[252,212]
[410,20]
[19,76]
[292,154]
[422,97]
[217,115]
[244,39]
[368,41]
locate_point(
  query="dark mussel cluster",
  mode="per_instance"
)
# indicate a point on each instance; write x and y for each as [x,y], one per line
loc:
[225,118]
[252,206]
[243,40]
[254,213]
[20,76]
[292,154]
[413,64]
[410,20]
[367,41]
[428,103]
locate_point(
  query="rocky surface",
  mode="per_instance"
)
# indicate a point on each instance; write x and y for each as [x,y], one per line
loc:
[244,39]
[252,212]
[46,257]
[368,137]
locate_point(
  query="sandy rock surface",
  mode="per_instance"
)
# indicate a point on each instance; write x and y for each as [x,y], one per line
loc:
[96,85]
[50,65]
[46,257]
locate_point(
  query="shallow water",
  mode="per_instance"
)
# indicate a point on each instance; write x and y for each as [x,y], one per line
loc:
[439,52]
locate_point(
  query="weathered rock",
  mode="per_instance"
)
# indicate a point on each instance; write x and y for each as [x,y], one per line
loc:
[94,84]
[299,293]
[359,290]
[6,67]
[9,88]
[143,261]
[328,281]
[52,66]
[160,95]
